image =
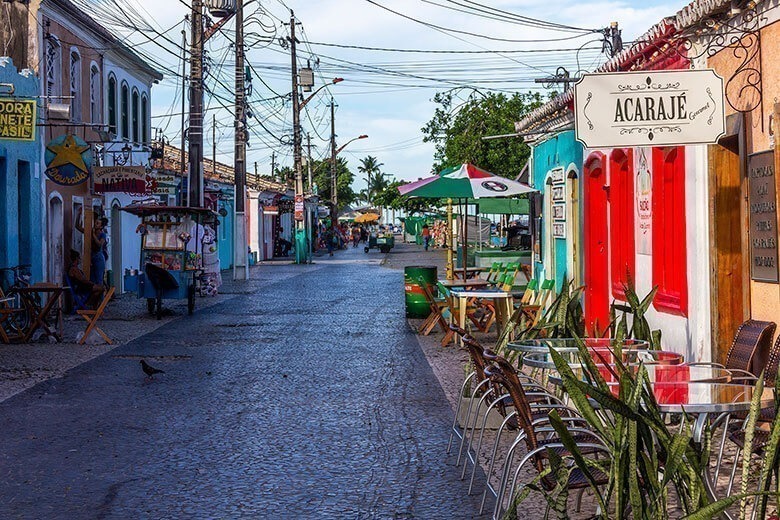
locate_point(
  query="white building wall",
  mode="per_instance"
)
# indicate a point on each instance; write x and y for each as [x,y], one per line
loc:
[689,335]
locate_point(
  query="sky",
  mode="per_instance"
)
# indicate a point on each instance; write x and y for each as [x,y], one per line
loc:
[386,95]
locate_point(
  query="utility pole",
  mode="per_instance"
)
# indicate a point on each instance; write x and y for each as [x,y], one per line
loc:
[182,158]
[300,230]
[240,253]
[613,41]
[308,158]
[195,132]
[273,165]
[334,192]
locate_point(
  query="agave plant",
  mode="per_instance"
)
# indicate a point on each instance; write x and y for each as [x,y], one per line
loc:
[640,328]
[648,456]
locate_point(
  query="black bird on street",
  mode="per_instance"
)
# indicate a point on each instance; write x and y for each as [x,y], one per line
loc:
[149,370]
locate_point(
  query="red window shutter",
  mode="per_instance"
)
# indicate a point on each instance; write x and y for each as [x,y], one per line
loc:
[621,219]
[670,268]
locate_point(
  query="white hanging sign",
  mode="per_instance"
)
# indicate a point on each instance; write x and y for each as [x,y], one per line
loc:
[649,108]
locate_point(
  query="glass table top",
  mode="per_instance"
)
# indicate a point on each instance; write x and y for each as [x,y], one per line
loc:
[559,344]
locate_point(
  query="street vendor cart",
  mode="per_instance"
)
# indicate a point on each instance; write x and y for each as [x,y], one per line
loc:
[384,241]
[172,239]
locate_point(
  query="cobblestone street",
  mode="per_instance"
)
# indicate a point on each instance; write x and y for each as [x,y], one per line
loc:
[304,396]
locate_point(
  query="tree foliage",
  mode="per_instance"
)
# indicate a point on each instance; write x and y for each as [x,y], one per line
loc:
[457,129]
[376,179]
[321,177]
[391,198]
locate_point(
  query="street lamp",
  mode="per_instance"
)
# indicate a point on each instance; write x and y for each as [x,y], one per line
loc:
[334,196]
[332,82]
[301,234]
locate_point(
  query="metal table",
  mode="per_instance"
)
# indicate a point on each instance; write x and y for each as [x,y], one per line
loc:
[561,344]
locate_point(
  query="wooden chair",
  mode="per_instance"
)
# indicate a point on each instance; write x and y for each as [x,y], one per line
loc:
[494,271]
[92,318]
[538,303]
[486,317]
[438,306]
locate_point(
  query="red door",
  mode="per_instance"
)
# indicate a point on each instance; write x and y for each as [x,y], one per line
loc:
[596,246]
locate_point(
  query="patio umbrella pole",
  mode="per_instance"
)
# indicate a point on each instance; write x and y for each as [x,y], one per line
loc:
[450,236]
[465,237]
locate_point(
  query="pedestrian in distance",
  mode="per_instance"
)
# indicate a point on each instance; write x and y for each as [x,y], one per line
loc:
[426,236]
[355,236]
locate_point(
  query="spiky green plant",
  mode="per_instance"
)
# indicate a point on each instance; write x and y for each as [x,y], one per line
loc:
[648,456]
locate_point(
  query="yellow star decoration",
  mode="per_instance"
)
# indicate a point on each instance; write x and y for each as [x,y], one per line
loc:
[68,152]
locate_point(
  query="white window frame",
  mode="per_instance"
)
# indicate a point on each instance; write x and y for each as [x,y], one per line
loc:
[75,84]
[94,93]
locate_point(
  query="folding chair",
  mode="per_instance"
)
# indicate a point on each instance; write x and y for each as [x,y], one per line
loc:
[92,318]
[494,271]
[488,315]
[533,310]
[438,306]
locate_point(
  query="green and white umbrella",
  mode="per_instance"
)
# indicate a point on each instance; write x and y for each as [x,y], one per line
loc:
[464,182]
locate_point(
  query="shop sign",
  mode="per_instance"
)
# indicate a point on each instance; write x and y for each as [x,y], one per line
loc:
[119,179]
[649,108]
[299,207]
[559,211]
[644,208]
[17,119]
[559,229]
[68,160]
[558,194]
[163,184]
[557,176]
[762,204]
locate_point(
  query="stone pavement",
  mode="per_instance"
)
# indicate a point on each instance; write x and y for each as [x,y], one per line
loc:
[302,395]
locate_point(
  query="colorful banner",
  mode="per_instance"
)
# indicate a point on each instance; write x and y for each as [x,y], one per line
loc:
[68,160]
[120,179]
[17,119]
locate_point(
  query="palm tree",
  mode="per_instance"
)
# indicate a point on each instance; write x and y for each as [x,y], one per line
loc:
[375,180]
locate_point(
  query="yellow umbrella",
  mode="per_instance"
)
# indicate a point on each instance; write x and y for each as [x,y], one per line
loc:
[367,217]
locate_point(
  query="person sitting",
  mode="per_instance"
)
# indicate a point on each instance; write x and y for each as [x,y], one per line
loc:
[283,246]
[81,285]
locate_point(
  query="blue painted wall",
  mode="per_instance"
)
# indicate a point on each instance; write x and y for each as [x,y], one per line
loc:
[559,151]
[21,208]
[225,234]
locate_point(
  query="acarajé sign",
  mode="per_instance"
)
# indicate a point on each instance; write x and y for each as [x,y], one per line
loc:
[649,108]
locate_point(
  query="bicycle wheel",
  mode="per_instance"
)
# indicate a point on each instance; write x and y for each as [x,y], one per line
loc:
[18,322]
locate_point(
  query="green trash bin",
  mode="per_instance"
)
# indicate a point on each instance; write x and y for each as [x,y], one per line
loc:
[416,304]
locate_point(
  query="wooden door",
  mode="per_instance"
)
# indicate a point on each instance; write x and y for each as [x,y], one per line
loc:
[596,245]
[729,276]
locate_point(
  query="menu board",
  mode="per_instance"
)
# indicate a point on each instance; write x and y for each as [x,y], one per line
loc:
[762,206]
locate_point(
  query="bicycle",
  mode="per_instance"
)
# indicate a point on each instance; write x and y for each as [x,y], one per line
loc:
[18,321]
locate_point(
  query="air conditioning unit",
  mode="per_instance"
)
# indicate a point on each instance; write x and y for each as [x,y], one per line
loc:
[221,8]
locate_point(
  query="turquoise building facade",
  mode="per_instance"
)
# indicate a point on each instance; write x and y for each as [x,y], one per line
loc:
[556,169]
[21,207]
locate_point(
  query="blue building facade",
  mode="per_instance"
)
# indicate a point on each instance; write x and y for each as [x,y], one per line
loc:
[556,170]
[21,208]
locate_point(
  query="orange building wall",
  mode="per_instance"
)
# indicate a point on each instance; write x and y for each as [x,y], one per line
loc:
[764,297]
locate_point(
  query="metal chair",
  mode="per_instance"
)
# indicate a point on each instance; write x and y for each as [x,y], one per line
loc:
[765,418]
[538,440]
[749,349]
